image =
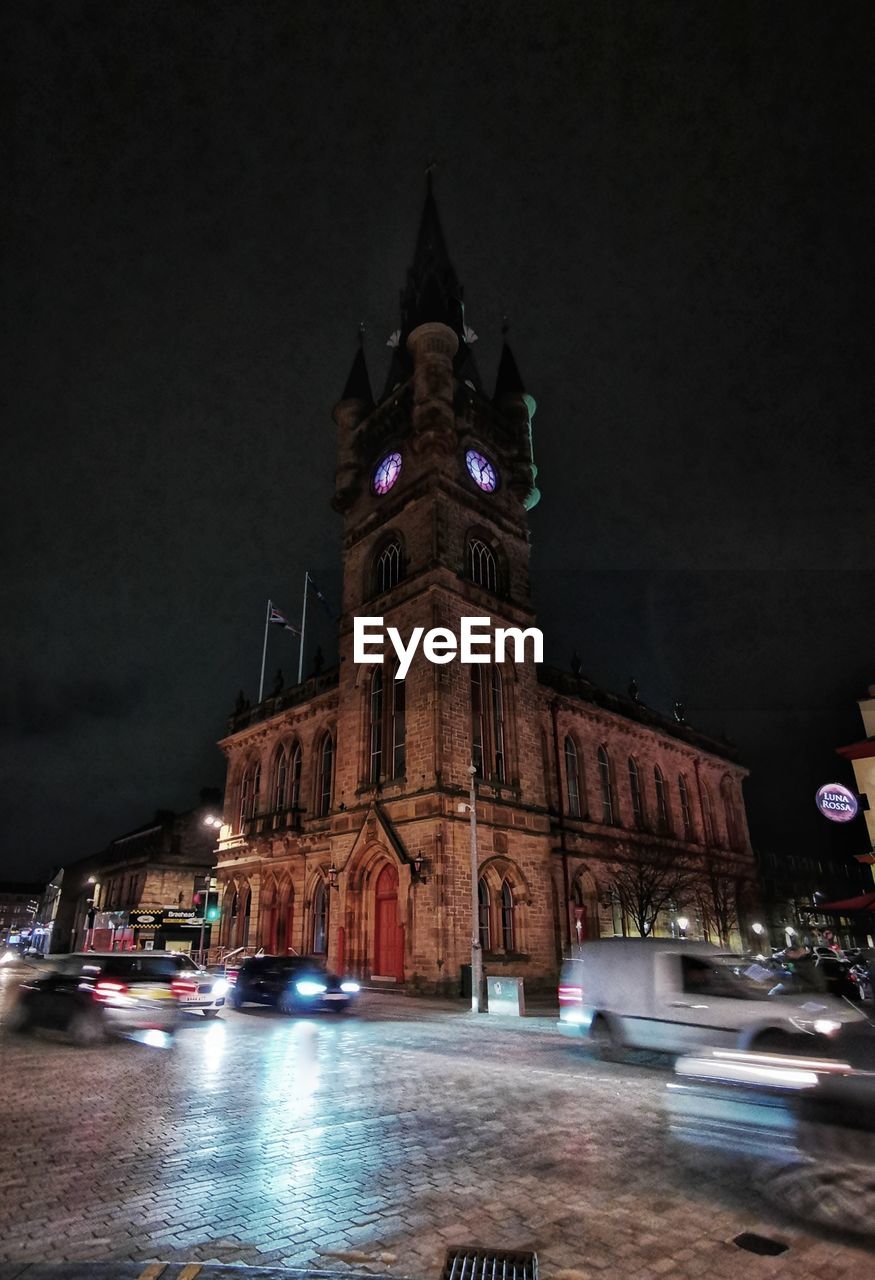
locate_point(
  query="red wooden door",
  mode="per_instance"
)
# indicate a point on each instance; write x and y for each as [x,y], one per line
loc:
[388,934]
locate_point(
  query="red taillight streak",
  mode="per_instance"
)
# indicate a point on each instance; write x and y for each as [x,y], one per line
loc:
[569,995]
[230,976]
[109,990]
[183,987]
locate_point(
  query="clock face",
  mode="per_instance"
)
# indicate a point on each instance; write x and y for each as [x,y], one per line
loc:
[387,472]
[481,471]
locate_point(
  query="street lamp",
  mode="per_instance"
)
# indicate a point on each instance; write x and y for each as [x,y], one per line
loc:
[683,924]
[476,952]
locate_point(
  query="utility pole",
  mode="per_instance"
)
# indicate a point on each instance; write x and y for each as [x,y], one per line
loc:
[476,952]
[209,881]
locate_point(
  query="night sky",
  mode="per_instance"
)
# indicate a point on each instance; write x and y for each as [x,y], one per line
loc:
[672,204]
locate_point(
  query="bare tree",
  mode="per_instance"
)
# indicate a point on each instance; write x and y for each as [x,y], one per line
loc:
[719,893]
[650,879]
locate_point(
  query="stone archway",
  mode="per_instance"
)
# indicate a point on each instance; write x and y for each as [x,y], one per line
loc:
[583,907]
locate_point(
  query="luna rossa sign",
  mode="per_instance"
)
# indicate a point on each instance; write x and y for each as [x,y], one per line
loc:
[836,802]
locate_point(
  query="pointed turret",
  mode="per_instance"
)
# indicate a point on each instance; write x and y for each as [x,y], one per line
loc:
[509,381]
[358,384]
[350,411]
[518,409]
[432,295]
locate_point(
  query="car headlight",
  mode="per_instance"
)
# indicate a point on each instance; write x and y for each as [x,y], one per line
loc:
[817,1026]
[308,988]
[350,988]
[220,987]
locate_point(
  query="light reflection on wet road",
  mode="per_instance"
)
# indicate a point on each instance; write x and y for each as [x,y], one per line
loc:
[372,1141]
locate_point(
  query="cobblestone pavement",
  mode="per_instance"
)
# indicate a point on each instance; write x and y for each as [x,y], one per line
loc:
[371,1143]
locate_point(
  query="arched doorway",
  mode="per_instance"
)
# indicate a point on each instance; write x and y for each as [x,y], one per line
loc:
[388,932]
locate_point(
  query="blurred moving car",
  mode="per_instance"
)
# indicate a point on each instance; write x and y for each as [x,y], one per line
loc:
[91,995]
[293,984]
[198,990]
[670,996]
[804,1126]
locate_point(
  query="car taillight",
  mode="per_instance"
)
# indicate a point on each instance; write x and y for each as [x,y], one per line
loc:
[571,995]
[105,990]
[183,987]
[231,976]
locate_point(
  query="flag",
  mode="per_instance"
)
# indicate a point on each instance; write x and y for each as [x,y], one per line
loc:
[281,620]
[321,597]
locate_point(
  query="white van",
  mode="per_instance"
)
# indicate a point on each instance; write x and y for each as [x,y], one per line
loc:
[671,996]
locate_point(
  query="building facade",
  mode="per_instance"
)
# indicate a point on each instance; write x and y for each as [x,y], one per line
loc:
[345,830]
[19,903]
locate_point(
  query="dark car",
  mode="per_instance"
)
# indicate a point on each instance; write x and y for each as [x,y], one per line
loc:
[91,995]
[293,984]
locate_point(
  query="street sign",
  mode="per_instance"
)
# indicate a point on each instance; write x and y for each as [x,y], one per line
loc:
[836,802]
[180,915]
[146,919]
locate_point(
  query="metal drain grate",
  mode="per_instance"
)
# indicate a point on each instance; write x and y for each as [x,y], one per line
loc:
[753,1243]
[489,1264]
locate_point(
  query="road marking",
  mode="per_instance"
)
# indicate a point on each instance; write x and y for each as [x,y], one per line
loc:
[153,1271]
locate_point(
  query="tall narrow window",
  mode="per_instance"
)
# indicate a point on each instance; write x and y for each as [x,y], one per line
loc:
[388,568]
[507,921]
[478,719]
[572,778]
[399,727]
[245,785]
[320,919]
[605,786]
[707,814]
[280,778]
[483,910]
[635,788]
[482,566]
[686,812]
[377,726]
[729,813]
[498,725]
[326,767]
[297,760]
[254,806]
[662,816]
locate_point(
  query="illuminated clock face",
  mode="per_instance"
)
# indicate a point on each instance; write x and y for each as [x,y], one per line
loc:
[481,471]
[387,472]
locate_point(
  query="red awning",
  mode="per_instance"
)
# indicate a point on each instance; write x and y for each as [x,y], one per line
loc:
[865,902]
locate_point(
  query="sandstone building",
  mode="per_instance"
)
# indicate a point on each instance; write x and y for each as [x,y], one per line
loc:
[342,826]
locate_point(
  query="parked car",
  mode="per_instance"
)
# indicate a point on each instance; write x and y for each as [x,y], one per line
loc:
[293,984]
[198,990]
[91,995]
[671,996]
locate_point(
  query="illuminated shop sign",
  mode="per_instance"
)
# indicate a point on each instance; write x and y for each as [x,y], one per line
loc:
[836,802]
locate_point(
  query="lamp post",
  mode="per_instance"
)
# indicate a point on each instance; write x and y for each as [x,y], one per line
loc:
[476,952]
[209,820]
[683,925]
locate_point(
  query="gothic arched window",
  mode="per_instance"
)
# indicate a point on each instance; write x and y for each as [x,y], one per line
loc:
[707,814]
[686,812]
[387,727]
[249,788]
[508,933]
[572,778]
[387,567]
[605,786]
[326,769]
[662,817]
[482,565]
[635,788]
[487,723]
[483,913]
[295,772]
[280,778]
[320,919]
[731,815]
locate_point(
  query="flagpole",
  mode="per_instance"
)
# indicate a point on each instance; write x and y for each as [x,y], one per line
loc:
[264,651]
[303,628]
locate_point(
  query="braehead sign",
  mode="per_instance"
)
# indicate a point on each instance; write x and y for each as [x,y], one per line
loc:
[836,802]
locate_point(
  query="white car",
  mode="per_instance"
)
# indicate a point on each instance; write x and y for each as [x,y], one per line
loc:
[198,990]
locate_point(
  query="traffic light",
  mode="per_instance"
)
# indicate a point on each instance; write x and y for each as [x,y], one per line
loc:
[213,911]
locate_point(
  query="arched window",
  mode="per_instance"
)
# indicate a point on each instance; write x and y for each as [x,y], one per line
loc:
[686,812]
[243,923]
[254,806]
[707,814]
[387,568]
[387,727]
[731,815]
[249,786]
[635,788]
[605,786]
[280,778]
[483,912]
[662,814]
[295,794]
[487,723]
[572,778]
[269,918]
[482,565]
[326,770]
[508,936]
[320,919]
